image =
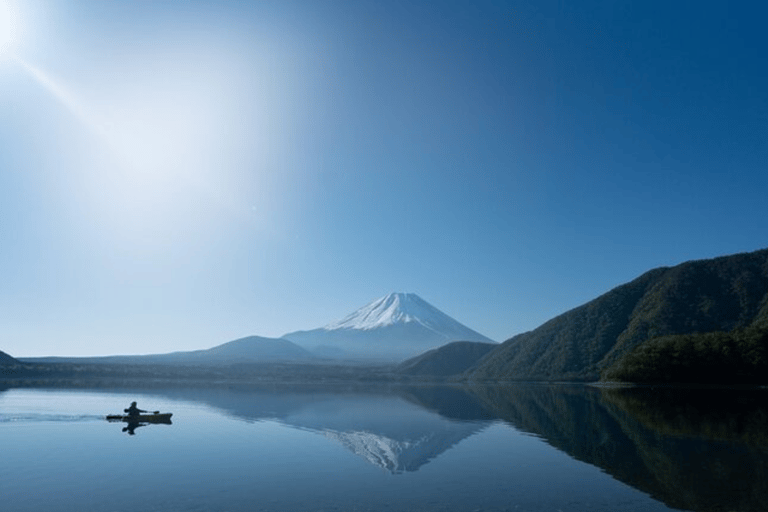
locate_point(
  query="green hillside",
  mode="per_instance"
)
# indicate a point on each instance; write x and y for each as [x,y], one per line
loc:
[737,357]
[451,359]
[705,296]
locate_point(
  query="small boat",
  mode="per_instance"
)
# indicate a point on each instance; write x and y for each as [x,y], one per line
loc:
[142,418]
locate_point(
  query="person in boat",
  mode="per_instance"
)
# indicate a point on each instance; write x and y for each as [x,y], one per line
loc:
[133,410]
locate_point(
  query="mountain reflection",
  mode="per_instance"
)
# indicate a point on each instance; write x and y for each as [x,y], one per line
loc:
[397,431]
[387,431]
[701,450]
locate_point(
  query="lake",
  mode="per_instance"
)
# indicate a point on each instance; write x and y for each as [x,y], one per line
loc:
[511,448]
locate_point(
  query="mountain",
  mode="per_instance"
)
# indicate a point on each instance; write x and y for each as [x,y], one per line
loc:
[6,359]
[244,350]
[703,296]
[251,349]
[396,326]
[451,359]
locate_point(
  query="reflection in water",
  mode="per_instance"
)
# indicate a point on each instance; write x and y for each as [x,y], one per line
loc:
[691,449]
[132,424]
[406,452]
[397,432]
[706,450]
[397,448]
[702,450]
[389,431]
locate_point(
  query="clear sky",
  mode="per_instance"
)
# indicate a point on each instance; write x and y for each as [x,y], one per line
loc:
[175,175]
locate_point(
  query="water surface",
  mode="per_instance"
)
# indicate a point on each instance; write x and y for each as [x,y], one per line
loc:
[522,448]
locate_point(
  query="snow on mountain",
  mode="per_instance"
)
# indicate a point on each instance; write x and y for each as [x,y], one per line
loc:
[391,309]
[395,326]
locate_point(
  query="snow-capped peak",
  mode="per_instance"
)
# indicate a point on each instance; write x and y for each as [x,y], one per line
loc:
[395,308]
[395,326]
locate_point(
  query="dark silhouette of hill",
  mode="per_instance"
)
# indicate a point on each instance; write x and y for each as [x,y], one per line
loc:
[721,294]
[450,359]
[5,359]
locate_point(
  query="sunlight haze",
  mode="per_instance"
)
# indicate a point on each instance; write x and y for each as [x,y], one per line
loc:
[9,27]
[175,175]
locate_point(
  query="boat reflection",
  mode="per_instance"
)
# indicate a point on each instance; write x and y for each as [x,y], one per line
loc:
[132,424]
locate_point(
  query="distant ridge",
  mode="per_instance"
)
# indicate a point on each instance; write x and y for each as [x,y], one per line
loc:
[251,349]
[396,326]
[720,294]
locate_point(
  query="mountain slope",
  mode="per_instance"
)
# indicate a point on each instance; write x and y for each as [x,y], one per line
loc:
[451,359]
[395,326]
[249,349]
[736,357]
[6,359]
[720,294]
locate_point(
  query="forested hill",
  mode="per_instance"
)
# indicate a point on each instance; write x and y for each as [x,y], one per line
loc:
[707,296]
[450,359]
[6,359]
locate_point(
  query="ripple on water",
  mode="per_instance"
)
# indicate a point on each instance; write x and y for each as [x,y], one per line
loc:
[37,418]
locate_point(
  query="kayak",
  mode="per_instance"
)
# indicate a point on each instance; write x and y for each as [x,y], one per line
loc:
[142,418]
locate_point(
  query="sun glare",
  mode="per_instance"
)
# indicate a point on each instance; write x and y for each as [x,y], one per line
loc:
[168,141]
[9,27]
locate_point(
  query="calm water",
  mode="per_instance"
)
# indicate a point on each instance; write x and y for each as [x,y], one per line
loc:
[538,448]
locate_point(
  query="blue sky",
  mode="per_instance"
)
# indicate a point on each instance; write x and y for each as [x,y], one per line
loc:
[174,175]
